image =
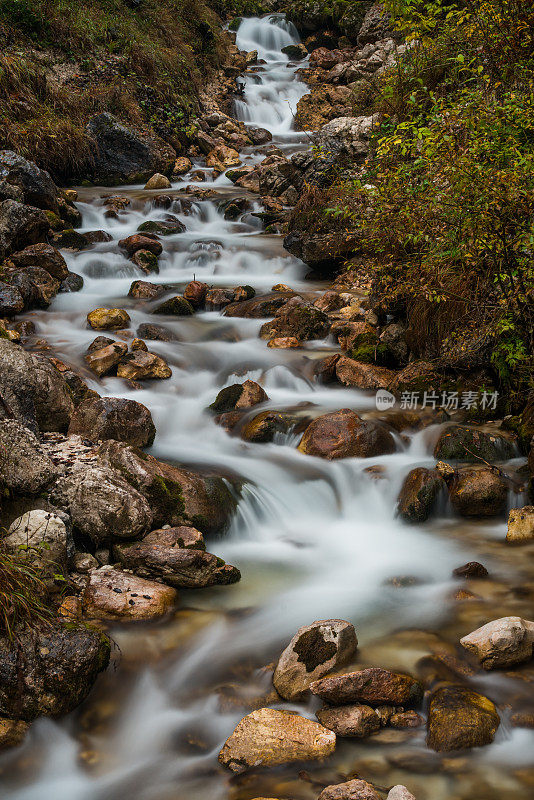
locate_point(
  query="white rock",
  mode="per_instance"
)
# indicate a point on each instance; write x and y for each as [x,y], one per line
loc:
[502,642]
[43,537]
[400,793]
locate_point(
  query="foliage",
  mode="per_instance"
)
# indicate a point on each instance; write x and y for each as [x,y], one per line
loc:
[22,594]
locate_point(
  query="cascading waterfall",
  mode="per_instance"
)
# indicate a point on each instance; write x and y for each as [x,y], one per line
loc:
[314,539]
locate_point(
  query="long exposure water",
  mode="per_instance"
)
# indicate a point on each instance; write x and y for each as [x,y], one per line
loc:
[313,539]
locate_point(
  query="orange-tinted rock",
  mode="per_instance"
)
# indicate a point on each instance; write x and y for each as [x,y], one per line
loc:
[343,434]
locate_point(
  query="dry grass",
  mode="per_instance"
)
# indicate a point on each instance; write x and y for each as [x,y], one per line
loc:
[22,594]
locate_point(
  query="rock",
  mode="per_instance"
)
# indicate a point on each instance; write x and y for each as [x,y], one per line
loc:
[102,505]
[11,300]
[146,261]
[108,319]
[37,186]
[20,225]
[374,686]
[417,376]
[238,396]
[478,493]
[103,360]
[12,732]
[521,525]
[356,720]
[295,52]
[60,667]
[42,538]
[141,365]
[377,24]
[113,418]
[419,494]
[122,154]
[256,308]
[459,718]
[155,332]
[321,251]
[111,593]
[144,290]
[43,286]
[313,652]
[268,737]
[284,342]
[351,790]
[363,376]
[502,642]
[44,256]
[222,157]
[24,467]
[72,283]
[259,136]
[473,569]
[161,555]
[176,306]
[139,241]
[458,443]
[176,496]
[406,719]
[393,337]
[350,135]
[181,166]
[195,293]
[264,426]
[299,319]
[343,434]
[166,227]
[158,181]
[400,793]
[325,369]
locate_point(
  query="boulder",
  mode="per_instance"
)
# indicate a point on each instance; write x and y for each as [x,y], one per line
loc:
[11,300]
[377,25]
[363,376]
[502,642]
[101,418]
[351,790]
[158,181]
[102,360]
[20,225]
[417,376]
[239,396]
[24,467]
[343,434]
[459,718]
[356,721]
[181,166]
[284,342]
[267,737]
[313,652]
[161,555]
[167,227]
[122,154]
[144,290]
[299,319]
[111,593]
[419,494]
[60,667]
[176,495]
[264,426]
[521,525]
[12,732]
[108,319]
[478,493]
[141,365]
[406,719]
[157,333]
[42,538]
[350,134]
[459,443]
[102,505]
[176,306]
[44,256]
[37,187]
[146,261]
[139,241]
[223,157]
[473,569]
[72,283]
[43,286]
[374,686]
[195,293]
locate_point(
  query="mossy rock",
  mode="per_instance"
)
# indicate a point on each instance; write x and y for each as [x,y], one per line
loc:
[176,306]
[162,228]
[373,354]
[226,399]
[460,718]
[235,23]
[459,443]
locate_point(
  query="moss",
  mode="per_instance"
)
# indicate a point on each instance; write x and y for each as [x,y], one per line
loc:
[166,496]
[373,354]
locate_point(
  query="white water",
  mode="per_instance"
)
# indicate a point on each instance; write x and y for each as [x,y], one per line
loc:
[314,539]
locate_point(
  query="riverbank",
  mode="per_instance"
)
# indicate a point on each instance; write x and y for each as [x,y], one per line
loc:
[229,368]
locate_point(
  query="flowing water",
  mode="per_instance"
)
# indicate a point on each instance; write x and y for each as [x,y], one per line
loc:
[313,539]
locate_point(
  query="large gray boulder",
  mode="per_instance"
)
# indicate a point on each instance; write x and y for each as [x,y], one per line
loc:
[20,225]
[99,418]
[37,186]
[123,154]
[24,467]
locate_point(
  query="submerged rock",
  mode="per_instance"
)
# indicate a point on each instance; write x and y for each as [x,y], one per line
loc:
[313,652]
[268,737]
[502,642]
[351,790]
[459,718]
[60,668]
